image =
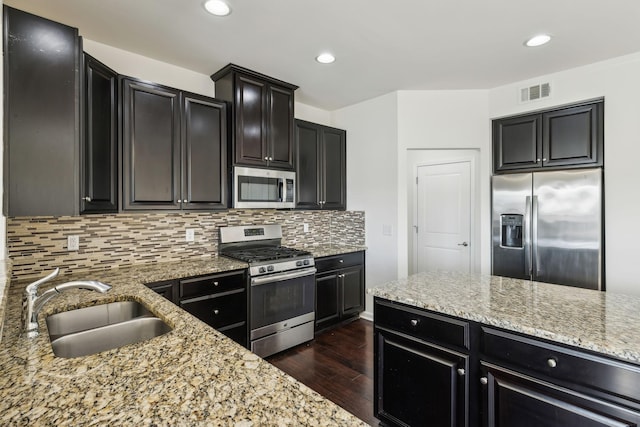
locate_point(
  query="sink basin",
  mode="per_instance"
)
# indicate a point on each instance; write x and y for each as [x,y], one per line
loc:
[90,330]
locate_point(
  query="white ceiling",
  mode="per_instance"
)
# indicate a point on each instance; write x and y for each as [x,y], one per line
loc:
[422,44]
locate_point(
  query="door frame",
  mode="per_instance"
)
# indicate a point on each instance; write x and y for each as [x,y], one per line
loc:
[443,157]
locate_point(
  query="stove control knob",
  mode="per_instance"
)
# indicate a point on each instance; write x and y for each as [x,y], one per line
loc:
[262,270]
[306,262]
[298,263]
[270,268]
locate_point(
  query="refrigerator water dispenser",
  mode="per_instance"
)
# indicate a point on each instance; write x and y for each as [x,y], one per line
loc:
[511,230]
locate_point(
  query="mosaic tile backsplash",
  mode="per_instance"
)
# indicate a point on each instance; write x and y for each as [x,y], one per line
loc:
[39,244]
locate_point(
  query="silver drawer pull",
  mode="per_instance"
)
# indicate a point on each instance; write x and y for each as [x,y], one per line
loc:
[341,261]
[484,380]
[215,283]
[552,362]
[461,372]
[216,311]
[414,322]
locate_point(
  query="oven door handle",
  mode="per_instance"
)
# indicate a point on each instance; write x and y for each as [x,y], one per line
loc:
[283,276]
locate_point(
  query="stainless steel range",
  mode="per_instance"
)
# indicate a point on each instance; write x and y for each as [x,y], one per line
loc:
[282,294]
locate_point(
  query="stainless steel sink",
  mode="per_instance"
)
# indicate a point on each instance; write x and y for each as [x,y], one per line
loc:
[102,327]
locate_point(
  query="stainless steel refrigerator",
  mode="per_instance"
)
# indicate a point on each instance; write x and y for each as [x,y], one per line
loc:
[548,227]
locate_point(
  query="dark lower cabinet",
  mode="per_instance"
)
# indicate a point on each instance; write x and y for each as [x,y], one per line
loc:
[517,400]
[41,116]
[99,148]
[320,166]
[340,283]
[219,300]
[419,384]
[437,370]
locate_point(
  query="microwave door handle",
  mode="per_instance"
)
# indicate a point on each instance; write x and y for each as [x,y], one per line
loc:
[281,190]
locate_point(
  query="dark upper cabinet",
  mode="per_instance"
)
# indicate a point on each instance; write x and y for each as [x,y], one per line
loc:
[204,145]
[320,166]
[150,146]
[566,137]
[99,149]
[174,148]
[262,111]
[42,116]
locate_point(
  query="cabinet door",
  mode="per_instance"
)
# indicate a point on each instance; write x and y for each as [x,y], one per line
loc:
[166,289]
[417,384]
[573,136]
[42,116]
[151,146]
[250,113]
[352,288]
[517,143]
[204,139]
[308,155]
[515,400]
[99,150]
[280,134]
[219,311]
[327,308]
[334,173]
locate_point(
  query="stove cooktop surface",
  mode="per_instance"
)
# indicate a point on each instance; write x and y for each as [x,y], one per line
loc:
[262,254]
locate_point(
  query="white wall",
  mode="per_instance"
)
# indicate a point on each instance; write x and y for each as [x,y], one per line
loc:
[449,120]
[312,114]
[618,80]
[142,67]
[372,173]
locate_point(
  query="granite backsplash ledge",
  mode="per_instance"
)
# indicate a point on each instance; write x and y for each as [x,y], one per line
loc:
[39,244]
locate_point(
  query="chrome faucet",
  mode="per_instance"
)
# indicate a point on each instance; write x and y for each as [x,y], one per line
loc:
[32,303]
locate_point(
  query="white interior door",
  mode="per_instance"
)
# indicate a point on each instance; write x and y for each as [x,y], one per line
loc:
[444,217]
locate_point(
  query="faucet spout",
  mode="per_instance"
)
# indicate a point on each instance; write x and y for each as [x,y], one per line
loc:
[32,303]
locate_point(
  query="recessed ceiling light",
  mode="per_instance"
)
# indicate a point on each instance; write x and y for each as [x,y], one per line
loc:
[538,40]
[325,58]
[217,7]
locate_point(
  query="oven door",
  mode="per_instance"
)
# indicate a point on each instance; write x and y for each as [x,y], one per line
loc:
[282,301]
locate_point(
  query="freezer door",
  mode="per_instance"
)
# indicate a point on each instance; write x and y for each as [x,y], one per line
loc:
[567,236]
[511,204]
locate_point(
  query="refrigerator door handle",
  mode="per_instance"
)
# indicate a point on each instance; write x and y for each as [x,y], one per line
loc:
[535,262]
[527,237]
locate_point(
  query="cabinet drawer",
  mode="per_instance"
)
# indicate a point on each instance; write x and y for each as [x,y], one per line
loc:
[209,285]
[561,364]
[339,261]
[219,311]
[422,324]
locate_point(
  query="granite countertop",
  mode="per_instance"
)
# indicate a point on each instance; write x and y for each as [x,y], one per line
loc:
[190,376]
[319,251]
[603,322]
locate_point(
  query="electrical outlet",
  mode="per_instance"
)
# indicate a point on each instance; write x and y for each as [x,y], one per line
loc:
[73,243]
[190,235]
[305,227]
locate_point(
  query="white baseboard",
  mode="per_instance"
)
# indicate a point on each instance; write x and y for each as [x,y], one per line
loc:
[367,315]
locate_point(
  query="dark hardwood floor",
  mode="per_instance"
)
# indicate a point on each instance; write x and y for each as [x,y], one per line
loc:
[338,364]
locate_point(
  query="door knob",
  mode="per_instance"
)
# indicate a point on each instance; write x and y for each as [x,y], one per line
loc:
[465,244]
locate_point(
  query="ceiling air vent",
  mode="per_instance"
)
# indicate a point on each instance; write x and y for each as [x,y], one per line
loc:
[533,93]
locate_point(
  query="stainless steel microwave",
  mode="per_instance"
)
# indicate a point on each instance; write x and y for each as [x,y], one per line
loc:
[263,188]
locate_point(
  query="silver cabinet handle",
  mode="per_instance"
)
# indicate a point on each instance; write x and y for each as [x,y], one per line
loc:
[86,199]
[552,363]
[484,380]
[341,261]
[215,283]
[179,201]
[266,158]
[216,311]
[538,160]
[270,158]
[544,160]
[414,322]
[465,244]
[461,372]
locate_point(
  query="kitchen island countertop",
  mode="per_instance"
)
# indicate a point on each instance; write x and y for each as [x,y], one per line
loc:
[190,376]
[602,322]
